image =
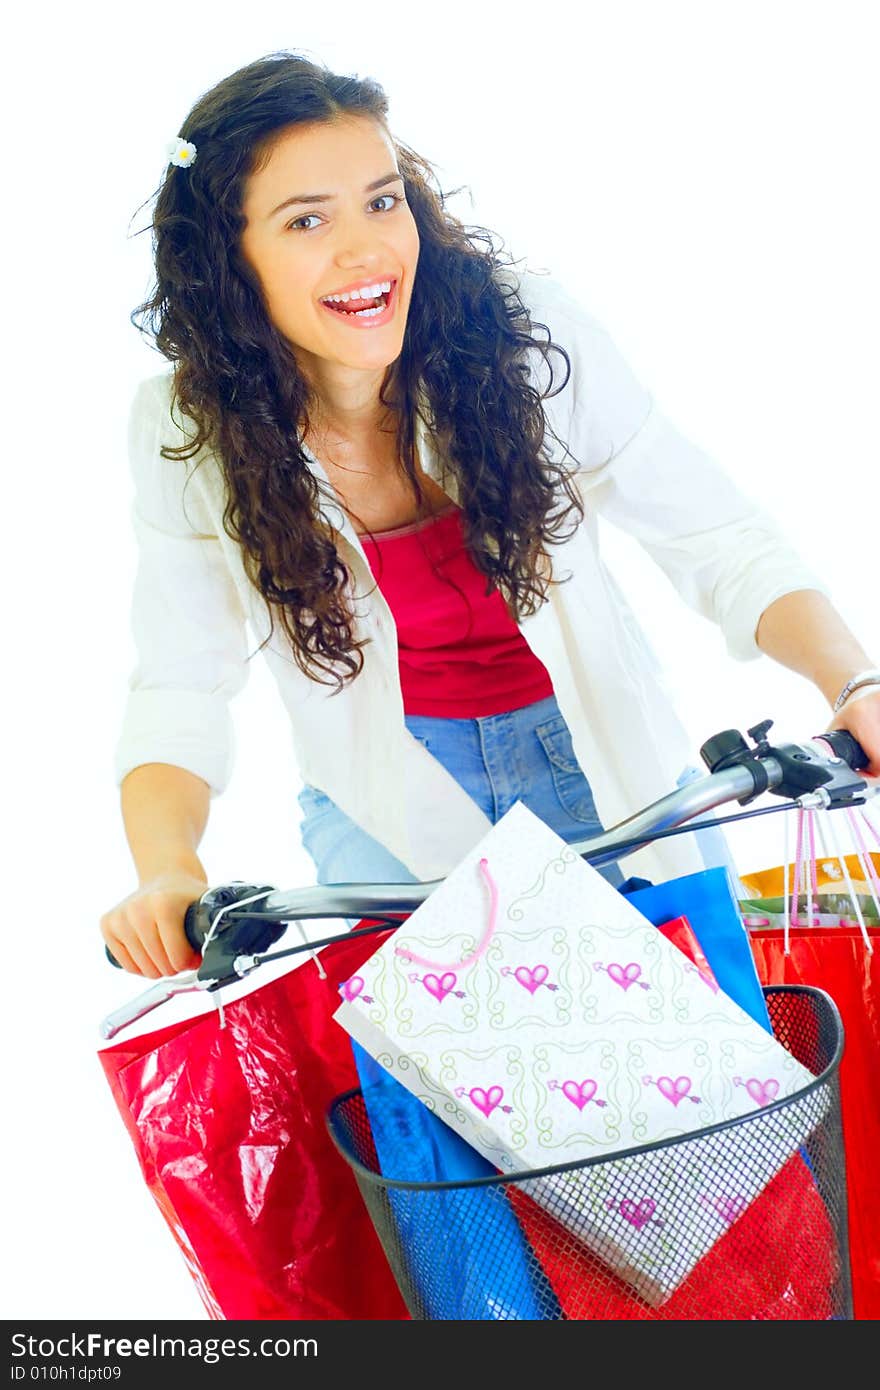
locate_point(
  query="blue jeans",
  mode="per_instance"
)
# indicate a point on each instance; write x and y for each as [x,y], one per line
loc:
[524,755]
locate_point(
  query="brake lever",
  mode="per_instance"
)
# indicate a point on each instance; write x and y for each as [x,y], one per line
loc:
[158,993]
[218,968]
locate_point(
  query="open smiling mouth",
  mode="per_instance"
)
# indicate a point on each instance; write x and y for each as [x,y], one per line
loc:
[365,313]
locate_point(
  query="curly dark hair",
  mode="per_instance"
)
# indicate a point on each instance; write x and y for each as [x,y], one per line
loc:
[236,377]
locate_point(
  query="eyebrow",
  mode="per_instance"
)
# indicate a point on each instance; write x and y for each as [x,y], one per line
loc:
[328,197]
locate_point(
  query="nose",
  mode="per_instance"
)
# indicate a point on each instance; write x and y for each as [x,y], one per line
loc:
[356,246]
[358,258]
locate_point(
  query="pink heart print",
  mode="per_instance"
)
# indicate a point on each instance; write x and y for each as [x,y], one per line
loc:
[350,989]
[674,1090]
[531,979]
[729,1208]
[580,1093]
[439,985]
[486,1101]
[762,1092]
[625,975]
[638,1214]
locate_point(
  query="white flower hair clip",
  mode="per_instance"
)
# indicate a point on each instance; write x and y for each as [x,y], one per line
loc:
[181,152]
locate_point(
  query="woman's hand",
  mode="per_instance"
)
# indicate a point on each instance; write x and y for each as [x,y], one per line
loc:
[145,931]
[860,717]
[804,631]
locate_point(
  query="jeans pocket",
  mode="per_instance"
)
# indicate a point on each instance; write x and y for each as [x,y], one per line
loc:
[569,782]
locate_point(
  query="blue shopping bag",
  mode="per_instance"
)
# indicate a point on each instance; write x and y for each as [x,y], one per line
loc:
[465,1251]
[707,899]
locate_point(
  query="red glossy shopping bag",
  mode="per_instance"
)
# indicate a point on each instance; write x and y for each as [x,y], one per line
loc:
[742,1277]
[837,960]
[228,1124]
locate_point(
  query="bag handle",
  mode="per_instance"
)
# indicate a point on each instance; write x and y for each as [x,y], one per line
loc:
[805,869]
[482,945]
[865,859]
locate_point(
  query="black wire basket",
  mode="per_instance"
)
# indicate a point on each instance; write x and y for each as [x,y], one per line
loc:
[493,1248]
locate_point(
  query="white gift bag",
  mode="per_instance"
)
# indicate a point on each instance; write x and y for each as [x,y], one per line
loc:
[543,1018]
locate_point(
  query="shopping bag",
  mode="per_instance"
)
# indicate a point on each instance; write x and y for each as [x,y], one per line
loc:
[829,871]
[828,910]
[832,890]
[228,1125]
[569,1029]
[451,1251]
[837,960]
[709,902]
[842,959]
[680,932]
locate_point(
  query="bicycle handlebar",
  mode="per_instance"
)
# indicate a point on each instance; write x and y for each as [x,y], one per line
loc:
[819,773]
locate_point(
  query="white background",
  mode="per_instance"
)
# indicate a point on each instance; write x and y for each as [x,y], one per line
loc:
[703,174]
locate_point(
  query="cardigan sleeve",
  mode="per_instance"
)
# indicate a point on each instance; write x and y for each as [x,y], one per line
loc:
[187,621]
[724,554]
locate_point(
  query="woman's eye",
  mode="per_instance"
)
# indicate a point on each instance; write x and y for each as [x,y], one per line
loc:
[393,199]
[297,220]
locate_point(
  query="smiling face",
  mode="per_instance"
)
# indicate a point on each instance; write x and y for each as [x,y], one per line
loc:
[327,215]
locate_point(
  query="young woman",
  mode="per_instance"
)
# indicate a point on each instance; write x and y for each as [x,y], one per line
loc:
[382,452]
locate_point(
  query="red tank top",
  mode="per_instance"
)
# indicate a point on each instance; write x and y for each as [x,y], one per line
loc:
[461,655]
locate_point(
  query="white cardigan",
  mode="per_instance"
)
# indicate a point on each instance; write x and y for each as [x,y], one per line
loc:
[193,605]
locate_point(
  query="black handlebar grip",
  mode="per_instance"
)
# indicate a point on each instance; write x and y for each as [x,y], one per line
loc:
[847,748]
[191,926]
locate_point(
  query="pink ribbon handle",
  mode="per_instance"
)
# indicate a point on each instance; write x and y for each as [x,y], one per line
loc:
[481,946]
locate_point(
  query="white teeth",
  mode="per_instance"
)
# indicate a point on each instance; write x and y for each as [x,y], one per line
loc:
[367,292]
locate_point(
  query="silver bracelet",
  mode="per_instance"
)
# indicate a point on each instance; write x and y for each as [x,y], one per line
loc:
[856,683]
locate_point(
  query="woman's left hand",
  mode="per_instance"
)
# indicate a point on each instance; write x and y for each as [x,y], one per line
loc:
[860,717]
